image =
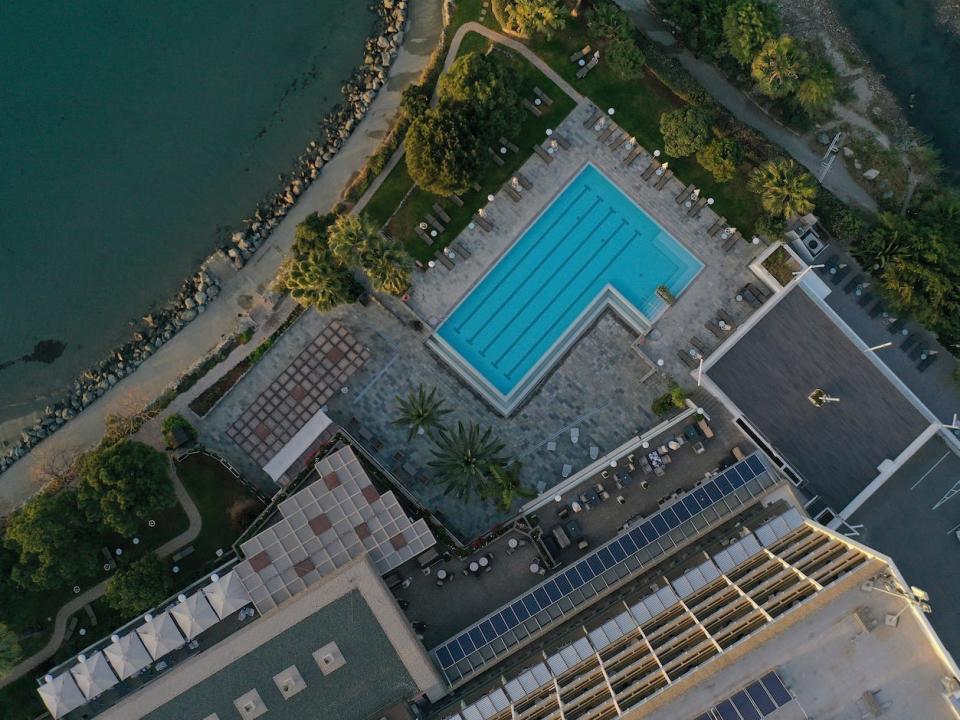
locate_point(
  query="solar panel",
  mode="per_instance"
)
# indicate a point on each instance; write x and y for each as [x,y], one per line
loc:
[761,699]
[745,706]
[773,684]
[727,711]
[756,701]
[609,556]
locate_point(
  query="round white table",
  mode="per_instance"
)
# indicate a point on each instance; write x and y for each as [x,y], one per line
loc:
[484,561]
[512,543]
[534,568]
[441,574]
[474,567]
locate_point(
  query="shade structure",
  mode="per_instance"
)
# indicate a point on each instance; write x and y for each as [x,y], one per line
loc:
[226,595]
[194,615]
[61,695]
[93,675]
[160,635]
[127,656]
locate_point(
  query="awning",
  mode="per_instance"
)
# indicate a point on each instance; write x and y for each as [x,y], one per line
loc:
[127,655]
[160,635]
[61,695]
[194,615]
[297,445]
[93,675]
[226,595]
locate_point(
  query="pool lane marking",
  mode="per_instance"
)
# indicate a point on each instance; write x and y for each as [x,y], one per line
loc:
[570,305]
[577,247]
[551,277]
[533,246]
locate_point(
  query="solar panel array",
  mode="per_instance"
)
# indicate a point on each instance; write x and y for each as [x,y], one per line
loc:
[611,556]
[758,700]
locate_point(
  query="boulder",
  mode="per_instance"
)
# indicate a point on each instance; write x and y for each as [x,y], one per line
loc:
[188,315]
[871,174]
[823,138]
[847,151]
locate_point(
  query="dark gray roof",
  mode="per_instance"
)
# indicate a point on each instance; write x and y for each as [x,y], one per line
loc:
[793,350]
[372,678]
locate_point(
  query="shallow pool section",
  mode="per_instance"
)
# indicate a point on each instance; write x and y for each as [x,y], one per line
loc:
[591,248]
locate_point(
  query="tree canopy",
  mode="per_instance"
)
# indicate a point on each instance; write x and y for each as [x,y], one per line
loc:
[721,158]
[463,457]
[483,89]
[55,545]
[139,586]
[784,188]
[10,650]
[420,412]
[530,17]
[779,67]
[607,21]
[124,485]
[625,58]
[685,130]
[747,25]
[315,279]
[700,22]
[817,89]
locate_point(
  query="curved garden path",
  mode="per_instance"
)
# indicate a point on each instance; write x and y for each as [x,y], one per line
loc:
[65,612]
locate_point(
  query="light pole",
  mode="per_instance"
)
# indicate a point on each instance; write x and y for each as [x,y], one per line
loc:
[881,346]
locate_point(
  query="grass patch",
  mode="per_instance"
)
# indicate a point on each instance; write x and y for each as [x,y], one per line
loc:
[781,265]
[400,206]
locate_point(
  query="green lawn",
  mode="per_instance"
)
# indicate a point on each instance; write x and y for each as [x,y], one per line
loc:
[399,206]
[638,106]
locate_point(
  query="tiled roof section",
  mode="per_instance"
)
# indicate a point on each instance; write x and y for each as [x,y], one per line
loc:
[322,369]
[325,525]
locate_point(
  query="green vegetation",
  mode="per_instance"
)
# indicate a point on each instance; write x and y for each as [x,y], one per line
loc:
[626,58]
[124,485]
[354,242]
[420,412]
[139,586]
[530,17]
[504,486]
[10,650]
[781,265]
[785,189]
[607,21]
[671,400]
[463,458]
[700,23]
[818,89]
[747,26]
[171,424]
[721,158]
[685,130]
[778,67]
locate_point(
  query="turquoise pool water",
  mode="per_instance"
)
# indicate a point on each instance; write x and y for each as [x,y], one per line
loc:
[591,236]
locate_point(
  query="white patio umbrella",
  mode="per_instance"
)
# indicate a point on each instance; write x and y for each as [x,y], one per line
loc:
[61,695]
[194,615]
[160,635]
[93,675]
[226,595]
[127,655]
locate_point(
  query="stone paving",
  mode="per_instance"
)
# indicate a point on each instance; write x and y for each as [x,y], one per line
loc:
[436,292]
[305,385]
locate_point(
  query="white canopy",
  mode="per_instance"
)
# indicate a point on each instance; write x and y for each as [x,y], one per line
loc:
[194,615]
[127,656]
[93,675]
[160,635]
[61,695]
[227,595]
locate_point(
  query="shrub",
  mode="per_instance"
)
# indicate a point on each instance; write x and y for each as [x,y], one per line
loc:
[139,586]
[672,74]
[10,650]
[685,130]
[625,58]
[671,400]
[770,227]
[532,17]
[242,514]
[174,422]
[606,21]
[721,158]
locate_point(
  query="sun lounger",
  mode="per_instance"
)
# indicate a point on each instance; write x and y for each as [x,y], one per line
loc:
[865,299]
[456,200]
[509,145]
[878,309]
[688,359]
[632,156]
[760,294]
[664,179]
[580,54]
[831,262]
[896,326]
[722,315]
[839,275]
[730,242]
[926,362]
[543,154]
[476,187]
[749,297]
[908,344]
[436,223]
[919,351]
[719,224]
[484,224]
[606,132]
[651,169]
[699,346]
[496,156]
[854,282]
[441,214]
[524,182]
[619,141]
[534,110]
[697,207]
[561,140]
[575,435]
[461,248]
[582,72]
[544,98]
[422,234]
[685,193]
[511,193]
[444,260]
[712,326]
[593,119]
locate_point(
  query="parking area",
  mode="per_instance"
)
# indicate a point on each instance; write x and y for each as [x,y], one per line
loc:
[914,518]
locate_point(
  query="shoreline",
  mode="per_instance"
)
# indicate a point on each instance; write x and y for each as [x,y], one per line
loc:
[19,435]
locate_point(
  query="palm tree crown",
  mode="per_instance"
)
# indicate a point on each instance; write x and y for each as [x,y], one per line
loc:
[778,66]
[463,458]
[784,188]
[420,411]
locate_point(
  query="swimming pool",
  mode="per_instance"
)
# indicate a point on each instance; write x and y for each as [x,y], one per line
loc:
[592,247]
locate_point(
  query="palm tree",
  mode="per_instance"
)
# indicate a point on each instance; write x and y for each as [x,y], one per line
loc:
[315,279]
[420,411]
[528,17]
[815,94]
[784,188]
[504,486]
[463,458]
[778,66]
[606,21]
[387,265]
[349,238]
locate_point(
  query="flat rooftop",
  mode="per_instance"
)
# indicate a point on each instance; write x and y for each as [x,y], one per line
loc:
[913,519]
[772,369]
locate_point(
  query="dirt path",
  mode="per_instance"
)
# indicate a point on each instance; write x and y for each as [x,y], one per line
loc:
[65,612]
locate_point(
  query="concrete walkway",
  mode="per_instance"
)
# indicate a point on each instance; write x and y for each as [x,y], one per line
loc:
[838,180]
[65,613]
[241,290]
